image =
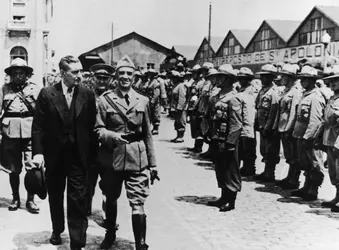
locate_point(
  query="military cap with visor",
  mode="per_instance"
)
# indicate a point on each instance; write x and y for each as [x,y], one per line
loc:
[19,63]
[102,69]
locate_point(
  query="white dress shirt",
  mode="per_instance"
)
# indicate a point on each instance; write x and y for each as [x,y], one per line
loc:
[68,94]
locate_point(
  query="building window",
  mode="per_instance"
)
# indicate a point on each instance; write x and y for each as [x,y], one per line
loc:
[314,36]
[20,52]
[201,55]
[231,49]
[266,44]
[18,11]
[316,23]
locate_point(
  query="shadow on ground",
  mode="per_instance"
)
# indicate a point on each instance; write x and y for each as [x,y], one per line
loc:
[4,202]
[202,200]
[25,241]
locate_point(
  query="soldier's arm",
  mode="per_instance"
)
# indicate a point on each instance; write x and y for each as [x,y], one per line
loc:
[293,113]
[38,123]
[315,117]
[273,111]
[146,129]
[235,120]
[163,90]
[182,98]
[106,137]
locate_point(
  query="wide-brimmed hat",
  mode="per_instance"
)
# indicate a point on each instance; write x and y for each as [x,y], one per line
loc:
[175,73]
[19,63]
[289,69]
[125,61]
[196,67]
[35,182]
[212,72]
[102,69]
[308,72]
[188,73]
[207,65]
[333,72]
[162,74]
[180,64]
[267,69]
[245,72]
[137,73]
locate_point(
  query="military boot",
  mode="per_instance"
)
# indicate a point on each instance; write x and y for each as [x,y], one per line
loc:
[230,205]
[198,143]
[267,175]
[139,230]
[221,201]
[302,191]
[155,130]
[15,203]
[316,179]
[332,203]
[180,137]
[111,226]
[31,206]
[284,181]
[293,182]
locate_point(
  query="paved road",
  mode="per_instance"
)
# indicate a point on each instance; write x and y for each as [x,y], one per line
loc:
[178,218]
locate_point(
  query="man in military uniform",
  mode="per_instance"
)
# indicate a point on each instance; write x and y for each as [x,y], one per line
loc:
[102,75]
[286,120]
[247,141]
[193,97]
[310,116]
[163,95]
[179,106]
[267,104]
[154,93]
[17,106]
[123,127]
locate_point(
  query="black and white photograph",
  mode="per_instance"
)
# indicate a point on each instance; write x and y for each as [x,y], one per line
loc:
[169,124]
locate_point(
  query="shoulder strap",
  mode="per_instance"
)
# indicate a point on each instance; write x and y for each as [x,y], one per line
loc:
[28,105]
[6,109]
[115,106]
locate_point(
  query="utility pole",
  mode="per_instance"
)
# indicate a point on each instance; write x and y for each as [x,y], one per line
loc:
[112,45]
[209,31]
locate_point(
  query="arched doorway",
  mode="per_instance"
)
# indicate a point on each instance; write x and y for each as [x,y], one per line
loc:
[20,52]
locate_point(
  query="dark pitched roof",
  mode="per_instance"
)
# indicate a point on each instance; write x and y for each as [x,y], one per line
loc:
[284,28]
[243,36]
[331,12]
[124,38]
[187,51]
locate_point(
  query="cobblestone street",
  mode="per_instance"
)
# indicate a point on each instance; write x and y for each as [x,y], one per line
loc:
[178,217]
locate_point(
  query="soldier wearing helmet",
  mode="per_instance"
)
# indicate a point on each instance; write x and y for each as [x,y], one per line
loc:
[225,117]
[267,104]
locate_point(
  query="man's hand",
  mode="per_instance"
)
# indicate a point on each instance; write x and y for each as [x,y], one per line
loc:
[38,160]
[154,175]
[118,138]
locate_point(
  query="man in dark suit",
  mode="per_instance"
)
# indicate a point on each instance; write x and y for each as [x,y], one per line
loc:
[63,137]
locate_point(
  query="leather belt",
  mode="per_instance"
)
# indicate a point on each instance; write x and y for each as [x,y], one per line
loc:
[19,114]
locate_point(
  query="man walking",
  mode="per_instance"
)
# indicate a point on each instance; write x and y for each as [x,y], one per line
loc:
[63,137]
[124,130]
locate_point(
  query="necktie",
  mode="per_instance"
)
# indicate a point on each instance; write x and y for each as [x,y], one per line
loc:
[69,96]
[127,99]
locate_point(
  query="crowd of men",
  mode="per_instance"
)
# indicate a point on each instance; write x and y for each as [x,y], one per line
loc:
[79,129]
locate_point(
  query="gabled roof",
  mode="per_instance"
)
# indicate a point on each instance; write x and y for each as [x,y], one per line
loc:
[243,36]
[187,51]
[283,28]
[122,39]
[330,12]
[216,41]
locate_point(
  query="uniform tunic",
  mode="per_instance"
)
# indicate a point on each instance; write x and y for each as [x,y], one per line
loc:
[153,91]
[126,162]
[309,119]
[226,123]
[286,121]
[331,137]
[16,125]
[179,95]
[267,104]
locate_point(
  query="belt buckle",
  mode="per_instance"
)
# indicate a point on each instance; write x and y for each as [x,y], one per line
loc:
[22,114]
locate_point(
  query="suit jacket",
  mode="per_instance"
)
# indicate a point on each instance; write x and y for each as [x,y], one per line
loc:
[136,155]
[48,137]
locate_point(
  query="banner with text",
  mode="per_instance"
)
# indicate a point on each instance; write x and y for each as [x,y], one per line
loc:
[313,51]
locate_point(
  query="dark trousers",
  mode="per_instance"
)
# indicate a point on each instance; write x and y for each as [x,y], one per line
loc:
[247,151]
[180,120]
[270,148]
[93,175]
[69,169]
[226,166]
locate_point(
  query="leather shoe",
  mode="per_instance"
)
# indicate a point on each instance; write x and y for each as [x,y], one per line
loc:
[310,197]
[108,240]
[289,185]
[227,207]
[328,204]
[298,193]
[15,204]
[335,209]
[55,239]
[32,207]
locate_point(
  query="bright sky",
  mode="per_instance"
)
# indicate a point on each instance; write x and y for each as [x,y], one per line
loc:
[80,25]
